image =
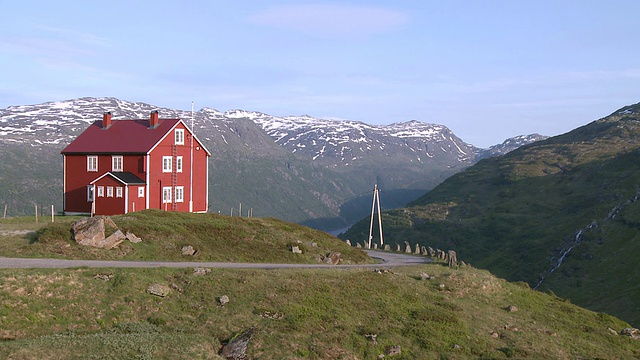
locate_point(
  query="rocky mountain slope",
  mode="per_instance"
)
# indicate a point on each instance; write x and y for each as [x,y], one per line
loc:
[313,171]
[561,214]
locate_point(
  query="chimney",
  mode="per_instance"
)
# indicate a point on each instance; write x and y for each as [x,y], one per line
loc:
[106,120]
[153,122]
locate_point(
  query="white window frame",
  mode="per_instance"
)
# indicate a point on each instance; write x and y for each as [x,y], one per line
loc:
[179,164]
[100,191]
[179,194]
[141,191]
[167,164]
[90,193]
[92,163]
[166,194]
[109,191]
[119,191]
[117,163]
[179,137]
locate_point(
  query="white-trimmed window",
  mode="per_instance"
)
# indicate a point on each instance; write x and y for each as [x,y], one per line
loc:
[179,194]
[90,193]
[140,191]
[179,164]
[116,163]
[92,163]
[179,137]
[119,191]
[109,191]
[167,164]
[100,191]
[166,194]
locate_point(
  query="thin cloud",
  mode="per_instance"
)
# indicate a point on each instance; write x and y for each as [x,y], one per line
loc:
[332,21]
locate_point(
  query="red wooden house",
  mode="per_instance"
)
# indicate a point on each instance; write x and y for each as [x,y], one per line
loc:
[119,166]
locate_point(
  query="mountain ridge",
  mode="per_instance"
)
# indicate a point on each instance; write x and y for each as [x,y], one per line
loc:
[324,163]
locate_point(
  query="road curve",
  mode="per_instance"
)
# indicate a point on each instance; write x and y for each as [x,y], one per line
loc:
[387,259]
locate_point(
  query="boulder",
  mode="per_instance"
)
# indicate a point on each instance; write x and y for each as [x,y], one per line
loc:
[512,308]
[159,290]
[387,247]
[332,258]
[188,250]
[631,332]
[398,248]
[394,350]
[236,348]
[199,271]
[423,251]
[348,242]
[407,247]
[223,300]
[417,250]
[112,241]
[88,231]
[295,249]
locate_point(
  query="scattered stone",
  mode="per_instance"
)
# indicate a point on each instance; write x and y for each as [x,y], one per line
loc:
[223,300]
[236,348]
[295,249]
[453,258]
[425,276]
[159,290]
[372,337]
[512,308]
[495,335]
[394,350]
[271,315]
[201,271]
[631,332]
[103,277]
[348,242]
[313,244]
[132,237]
[456,347]
[177,288]
[333,258]
[441,286]
[432,252]
[188,250]
[612,332]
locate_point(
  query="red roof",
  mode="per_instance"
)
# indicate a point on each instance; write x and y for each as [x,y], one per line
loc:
[122,137]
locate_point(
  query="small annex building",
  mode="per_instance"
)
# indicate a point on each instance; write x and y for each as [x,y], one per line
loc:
[120,166]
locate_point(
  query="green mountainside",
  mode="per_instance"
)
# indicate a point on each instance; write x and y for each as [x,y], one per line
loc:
[561,214]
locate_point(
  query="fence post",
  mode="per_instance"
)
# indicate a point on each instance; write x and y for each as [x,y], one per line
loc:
[36,207]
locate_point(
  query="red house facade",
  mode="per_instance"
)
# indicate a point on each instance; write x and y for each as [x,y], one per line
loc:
[120,166]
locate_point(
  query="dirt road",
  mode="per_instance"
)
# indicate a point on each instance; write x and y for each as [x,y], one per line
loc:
[387,259]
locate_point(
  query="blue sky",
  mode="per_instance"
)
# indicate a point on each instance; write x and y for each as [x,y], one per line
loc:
[488,70]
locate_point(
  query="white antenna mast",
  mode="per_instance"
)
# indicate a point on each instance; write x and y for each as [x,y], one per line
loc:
[376,200]
[191,164]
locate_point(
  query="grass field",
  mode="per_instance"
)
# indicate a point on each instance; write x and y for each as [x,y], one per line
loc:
[297,313]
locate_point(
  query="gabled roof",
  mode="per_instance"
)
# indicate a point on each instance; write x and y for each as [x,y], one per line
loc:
[122,137]
[126,178]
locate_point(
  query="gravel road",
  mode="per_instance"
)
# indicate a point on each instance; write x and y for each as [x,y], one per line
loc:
[387,259]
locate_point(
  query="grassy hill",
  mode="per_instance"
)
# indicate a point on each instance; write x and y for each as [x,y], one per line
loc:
[560,214]
[295,313]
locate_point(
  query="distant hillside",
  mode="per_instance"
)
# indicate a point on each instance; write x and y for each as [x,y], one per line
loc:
[298,168]
[560,214]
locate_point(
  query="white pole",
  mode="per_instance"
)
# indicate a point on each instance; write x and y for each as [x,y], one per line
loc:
[373,208]
[379,216]
[191,164]
[52,218]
